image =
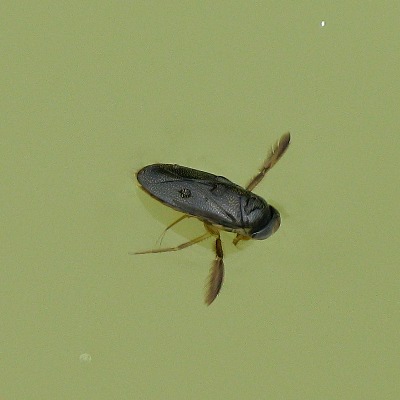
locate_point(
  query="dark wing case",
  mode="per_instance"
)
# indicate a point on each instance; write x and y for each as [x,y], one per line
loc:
[209,197]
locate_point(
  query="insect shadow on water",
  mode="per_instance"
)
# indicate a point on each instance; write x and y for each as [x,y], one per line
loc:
[216,201]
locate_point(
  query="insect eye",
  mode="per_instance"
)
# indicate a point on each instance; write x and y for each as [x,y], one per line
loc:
[185,193]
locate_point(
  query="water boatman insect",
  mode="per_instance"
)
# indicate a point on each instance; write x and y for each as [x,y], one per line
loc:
[216,201]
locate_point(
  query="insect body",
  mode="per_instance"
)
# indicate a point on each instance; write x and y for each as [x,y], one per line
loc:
[219,203]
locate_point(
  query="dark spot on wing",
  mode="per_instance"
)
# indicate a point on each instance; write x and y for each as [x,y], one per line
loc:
[185,193]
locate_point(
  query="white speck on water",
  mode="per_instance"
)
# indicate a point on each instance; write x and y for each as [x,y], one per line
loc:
[85,358]
[322,23]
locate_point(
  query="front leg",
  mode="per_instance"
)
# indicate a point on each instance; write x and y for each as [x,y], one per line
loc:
[239,237]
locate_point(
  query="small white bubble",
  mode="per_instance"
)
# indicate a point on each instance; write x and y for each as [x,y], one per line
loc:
[322,23]
[85,358]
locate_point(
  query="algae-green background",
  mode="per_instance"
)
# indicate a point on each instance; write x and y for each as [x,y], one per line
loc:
[91,92]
